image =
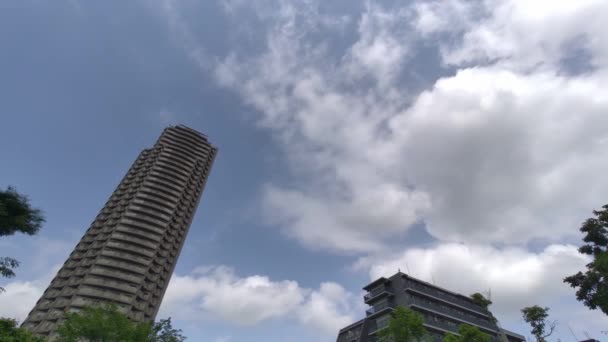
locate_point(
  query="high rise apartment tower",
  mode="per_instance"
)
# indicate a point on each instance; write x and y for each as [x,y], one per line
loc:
[128,254]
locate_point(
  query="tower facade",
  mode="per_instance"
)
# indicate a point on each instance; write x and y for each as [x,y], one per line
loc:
[129,252]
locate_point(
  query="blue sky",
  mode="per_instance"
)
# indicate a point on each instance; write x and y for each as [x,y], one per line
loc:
[462,141]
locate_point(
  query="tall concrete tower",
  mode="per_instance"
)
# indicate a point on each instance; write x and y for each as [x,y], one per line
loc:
[128,254]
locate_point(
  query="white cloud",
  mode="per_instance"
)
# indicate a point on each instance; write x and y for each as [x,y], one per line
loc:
[506,151]
[507,147]
[453,16]
[520,34]
[328,309]
[19,299]
[334,139]
[515,277]
[490,154]
[243,301]
[507,157]
[217,292]
[381,48]
[21,295]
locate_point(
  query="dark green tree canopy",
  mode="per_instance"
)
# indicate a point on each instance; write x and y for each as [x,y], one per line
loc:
[10,332]
[467,333]
[536,316]
[106,323]
[593,284]
[405,325]
[6,266]
[16,214]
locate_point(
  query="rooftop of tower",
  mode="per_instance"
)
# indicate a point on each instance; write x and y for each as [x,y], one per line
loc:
[190,129]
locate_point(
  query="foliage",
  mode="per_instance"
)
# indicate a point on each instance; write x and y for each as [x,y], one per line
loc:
[10,332]
[593,284]
[163,331]
[484,302]
[481,300]
[16,215]
[103,323]
[468,333]
[536,316]
[405,325]
[107,323]
[6,266]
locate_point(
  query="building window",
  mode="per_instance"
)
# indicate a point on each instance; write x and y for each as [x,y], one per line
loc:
[382,322]
[381,304]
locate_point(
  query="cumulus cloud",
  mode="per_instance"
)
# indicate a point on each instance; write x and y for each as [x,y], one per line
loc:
[327,309]
[244,301]
[212,292]
[217,292]
[449,16]
[334,137]
[505,145]
[507,157]
[501,152]
[516,276]
[21,295]
[19,298]
[525,35]
[513,277]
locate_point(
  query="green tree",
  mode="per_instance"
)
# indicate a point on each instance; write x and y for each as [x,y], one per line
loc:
[10,332]
[484,302]
[107,324]
[467,333]
[163,331]
[593,284]
[405,325]
[536,316]
[16,215]
[481,300]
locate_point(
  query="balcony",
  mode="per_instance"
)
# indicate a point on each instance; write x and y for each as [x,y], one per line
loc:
[442,326]
[462,316]
[350,336]
[370,311]
[379,308]
[103,294]
[179,153]
[129,247]
[445,297]
[376,325]
[136,236]
[377,293]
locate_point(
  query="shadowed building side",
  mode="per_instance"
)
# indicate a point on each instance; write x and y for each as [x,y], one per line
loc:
[129,252]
